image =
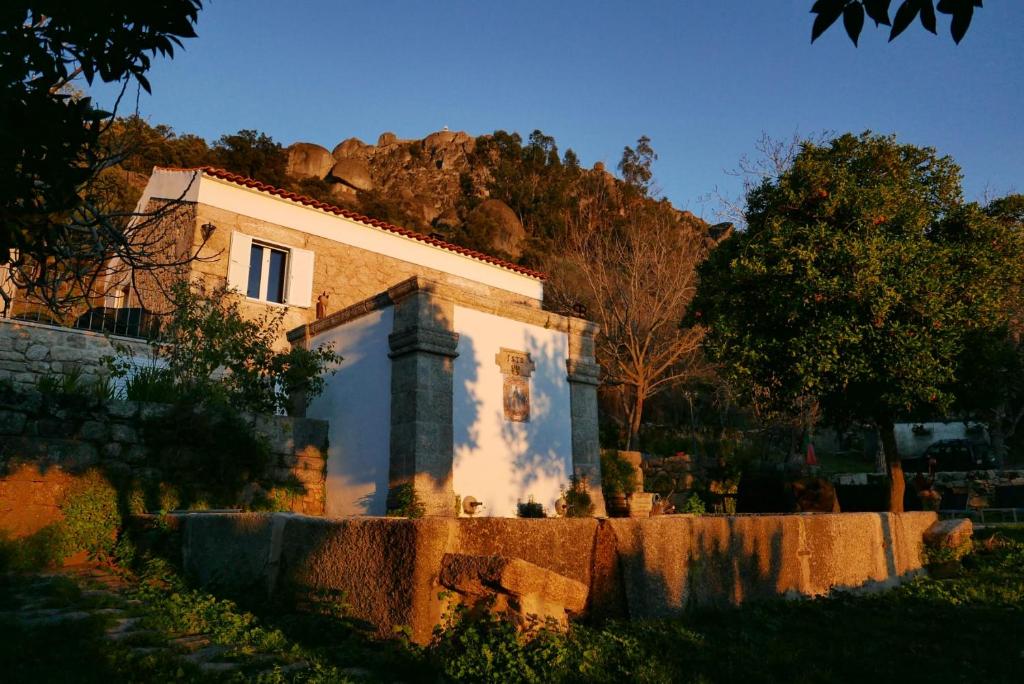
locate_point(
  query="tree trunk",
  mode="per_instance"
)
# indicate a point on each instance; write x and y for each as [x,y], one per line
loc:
[633,444]
[893,466]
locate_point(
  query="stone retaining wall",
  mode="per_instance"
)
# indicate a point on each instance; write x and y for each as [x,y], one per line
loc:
[44,446]
[391,571]
[29,351]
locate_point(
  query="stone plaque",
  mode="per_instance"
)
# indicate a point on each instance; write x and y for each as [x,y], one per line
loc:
[516,367]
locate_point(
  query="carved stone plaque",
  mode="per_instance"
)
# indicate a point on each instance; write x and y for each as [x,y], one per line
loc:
[516,367]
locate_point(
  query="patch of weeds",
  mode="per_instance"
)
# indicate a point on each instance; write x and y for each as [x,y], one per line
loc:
[405,502]
[91,523]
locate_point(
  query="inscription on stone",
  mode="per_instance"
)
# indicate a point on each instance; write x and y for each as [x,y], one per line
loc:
[516,367]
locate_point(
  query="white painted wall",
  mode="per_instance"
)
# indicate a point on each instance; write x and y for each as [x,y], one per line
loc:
[260,205]
[357,402]
[496,461]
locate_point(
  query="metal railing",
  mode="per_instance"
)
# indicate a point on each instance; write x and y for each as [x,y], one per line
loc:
[127,316]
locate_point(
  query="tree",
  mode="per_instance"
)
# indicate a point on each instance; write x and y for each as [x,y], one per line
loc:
[635,165]
[854,285]
[253,154]
[54,231]
[853,11]
[990,375]
[635,268]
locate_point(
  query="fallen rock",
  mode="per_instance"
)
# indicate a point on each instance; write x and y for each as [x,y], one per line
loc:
[354,173]
[527,591]
[306,160]
[949,534]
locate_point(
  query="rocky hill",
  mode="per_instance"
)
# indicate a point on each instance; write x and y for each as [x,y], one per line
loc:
[490,192]
[496,193]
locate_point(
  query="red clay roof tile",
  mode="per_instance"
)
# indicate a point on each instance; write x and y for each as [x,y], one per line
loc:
[324,206]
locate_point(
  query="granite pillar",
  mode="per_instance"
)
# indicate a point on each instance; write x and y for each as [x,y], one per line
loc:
[423,349]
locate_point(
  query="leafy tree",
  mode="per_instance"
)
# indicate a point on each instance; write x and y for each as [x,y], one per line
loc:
[209,350]
[853,12]
[990,377]
[52,228]
[635,165]
[853,288]
[253,154]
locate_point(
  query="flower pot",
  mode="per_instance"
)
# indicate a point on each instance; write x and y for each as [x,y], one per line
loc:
[617,505]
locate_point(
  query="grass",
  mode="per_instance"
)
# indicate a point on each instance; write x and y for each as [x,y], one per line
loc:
[929,630]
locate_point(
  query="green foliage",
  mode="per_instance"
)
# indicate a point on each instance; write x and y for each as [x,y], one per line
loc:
[253,154]
[694,505]
[210,446]
[578,503]
[210,352]
[488,648]
[855,282]
[530,509]
[617,474]
[46,170]
[91,521]
[72,389]
[853,12]
[636,163]
[404,502]
[151,384]
[91,517]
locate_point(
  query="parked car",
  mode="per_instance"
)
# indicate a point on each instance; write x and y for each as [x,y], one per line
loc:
[951,455]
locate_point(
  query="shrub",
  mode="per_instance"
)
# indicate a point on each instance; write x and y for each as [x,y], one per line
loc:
[209,349]
[617,474]
[208,449]
[530,509]
[91,523]
[694,505]
[578,503]
[404,502]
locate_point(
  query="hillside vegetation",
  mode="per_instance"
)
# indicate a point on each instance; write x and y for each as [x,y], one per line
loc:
[495,193]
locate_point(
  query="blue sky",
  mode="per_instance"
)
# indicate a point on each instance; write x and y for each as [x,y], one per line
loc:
[702,79]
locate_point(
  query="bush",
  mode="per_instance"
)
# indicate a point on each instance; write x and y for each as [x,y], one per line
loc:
[404,502]
[530,509]
[91,523]
[617,474]
[578,503]
[208,349]
[209,449]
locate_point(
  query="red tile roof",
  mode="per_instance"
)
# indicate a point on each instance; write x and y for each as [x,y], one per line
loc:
[332,209]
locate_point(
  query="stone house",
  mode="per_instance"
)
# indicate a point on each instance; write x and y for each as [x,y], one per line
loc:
[454,380]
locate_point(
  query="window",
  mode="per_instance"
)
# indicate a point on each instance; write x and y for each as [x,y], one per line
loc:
[277,273]
[267,270]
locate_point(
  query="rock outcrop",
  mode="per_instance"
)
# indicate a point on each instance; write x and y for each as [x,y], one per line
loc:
[353,172]
[306,160]
[506,230]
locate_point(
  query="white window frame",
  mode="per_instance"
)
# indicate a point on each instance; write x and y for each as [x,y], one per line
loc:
[299,268]
[265,271]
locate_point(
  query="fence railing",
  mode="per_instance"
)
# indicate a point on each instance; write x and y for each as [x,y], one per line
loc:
[125,316]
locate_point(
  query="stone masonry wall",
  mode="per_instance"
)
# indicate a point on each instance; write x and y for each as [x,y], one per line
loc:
[43,447]
[348,274]
[29,351]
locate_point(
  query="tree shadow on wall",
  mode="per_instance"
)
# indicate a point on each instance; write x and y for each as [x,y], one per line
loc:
[542,446]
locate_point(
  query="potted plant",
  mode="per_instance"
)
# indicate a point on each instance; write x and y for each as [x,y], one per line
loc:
[618,481]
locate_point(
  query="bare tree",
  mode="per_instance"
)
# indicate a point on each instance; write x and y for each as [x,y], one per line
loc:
[635,268]
[773,157]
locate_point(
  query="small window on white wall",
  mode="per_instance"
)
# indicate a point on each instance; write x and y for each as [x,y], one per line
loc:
[270,272]
[266,273]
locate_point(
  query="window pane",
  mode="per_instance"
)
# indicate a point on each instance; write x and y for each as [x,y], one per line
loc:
[275,280]
[255,268]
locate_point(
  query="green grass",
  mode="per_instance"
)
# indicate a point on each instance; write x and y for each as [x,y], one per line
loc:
[964,629]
